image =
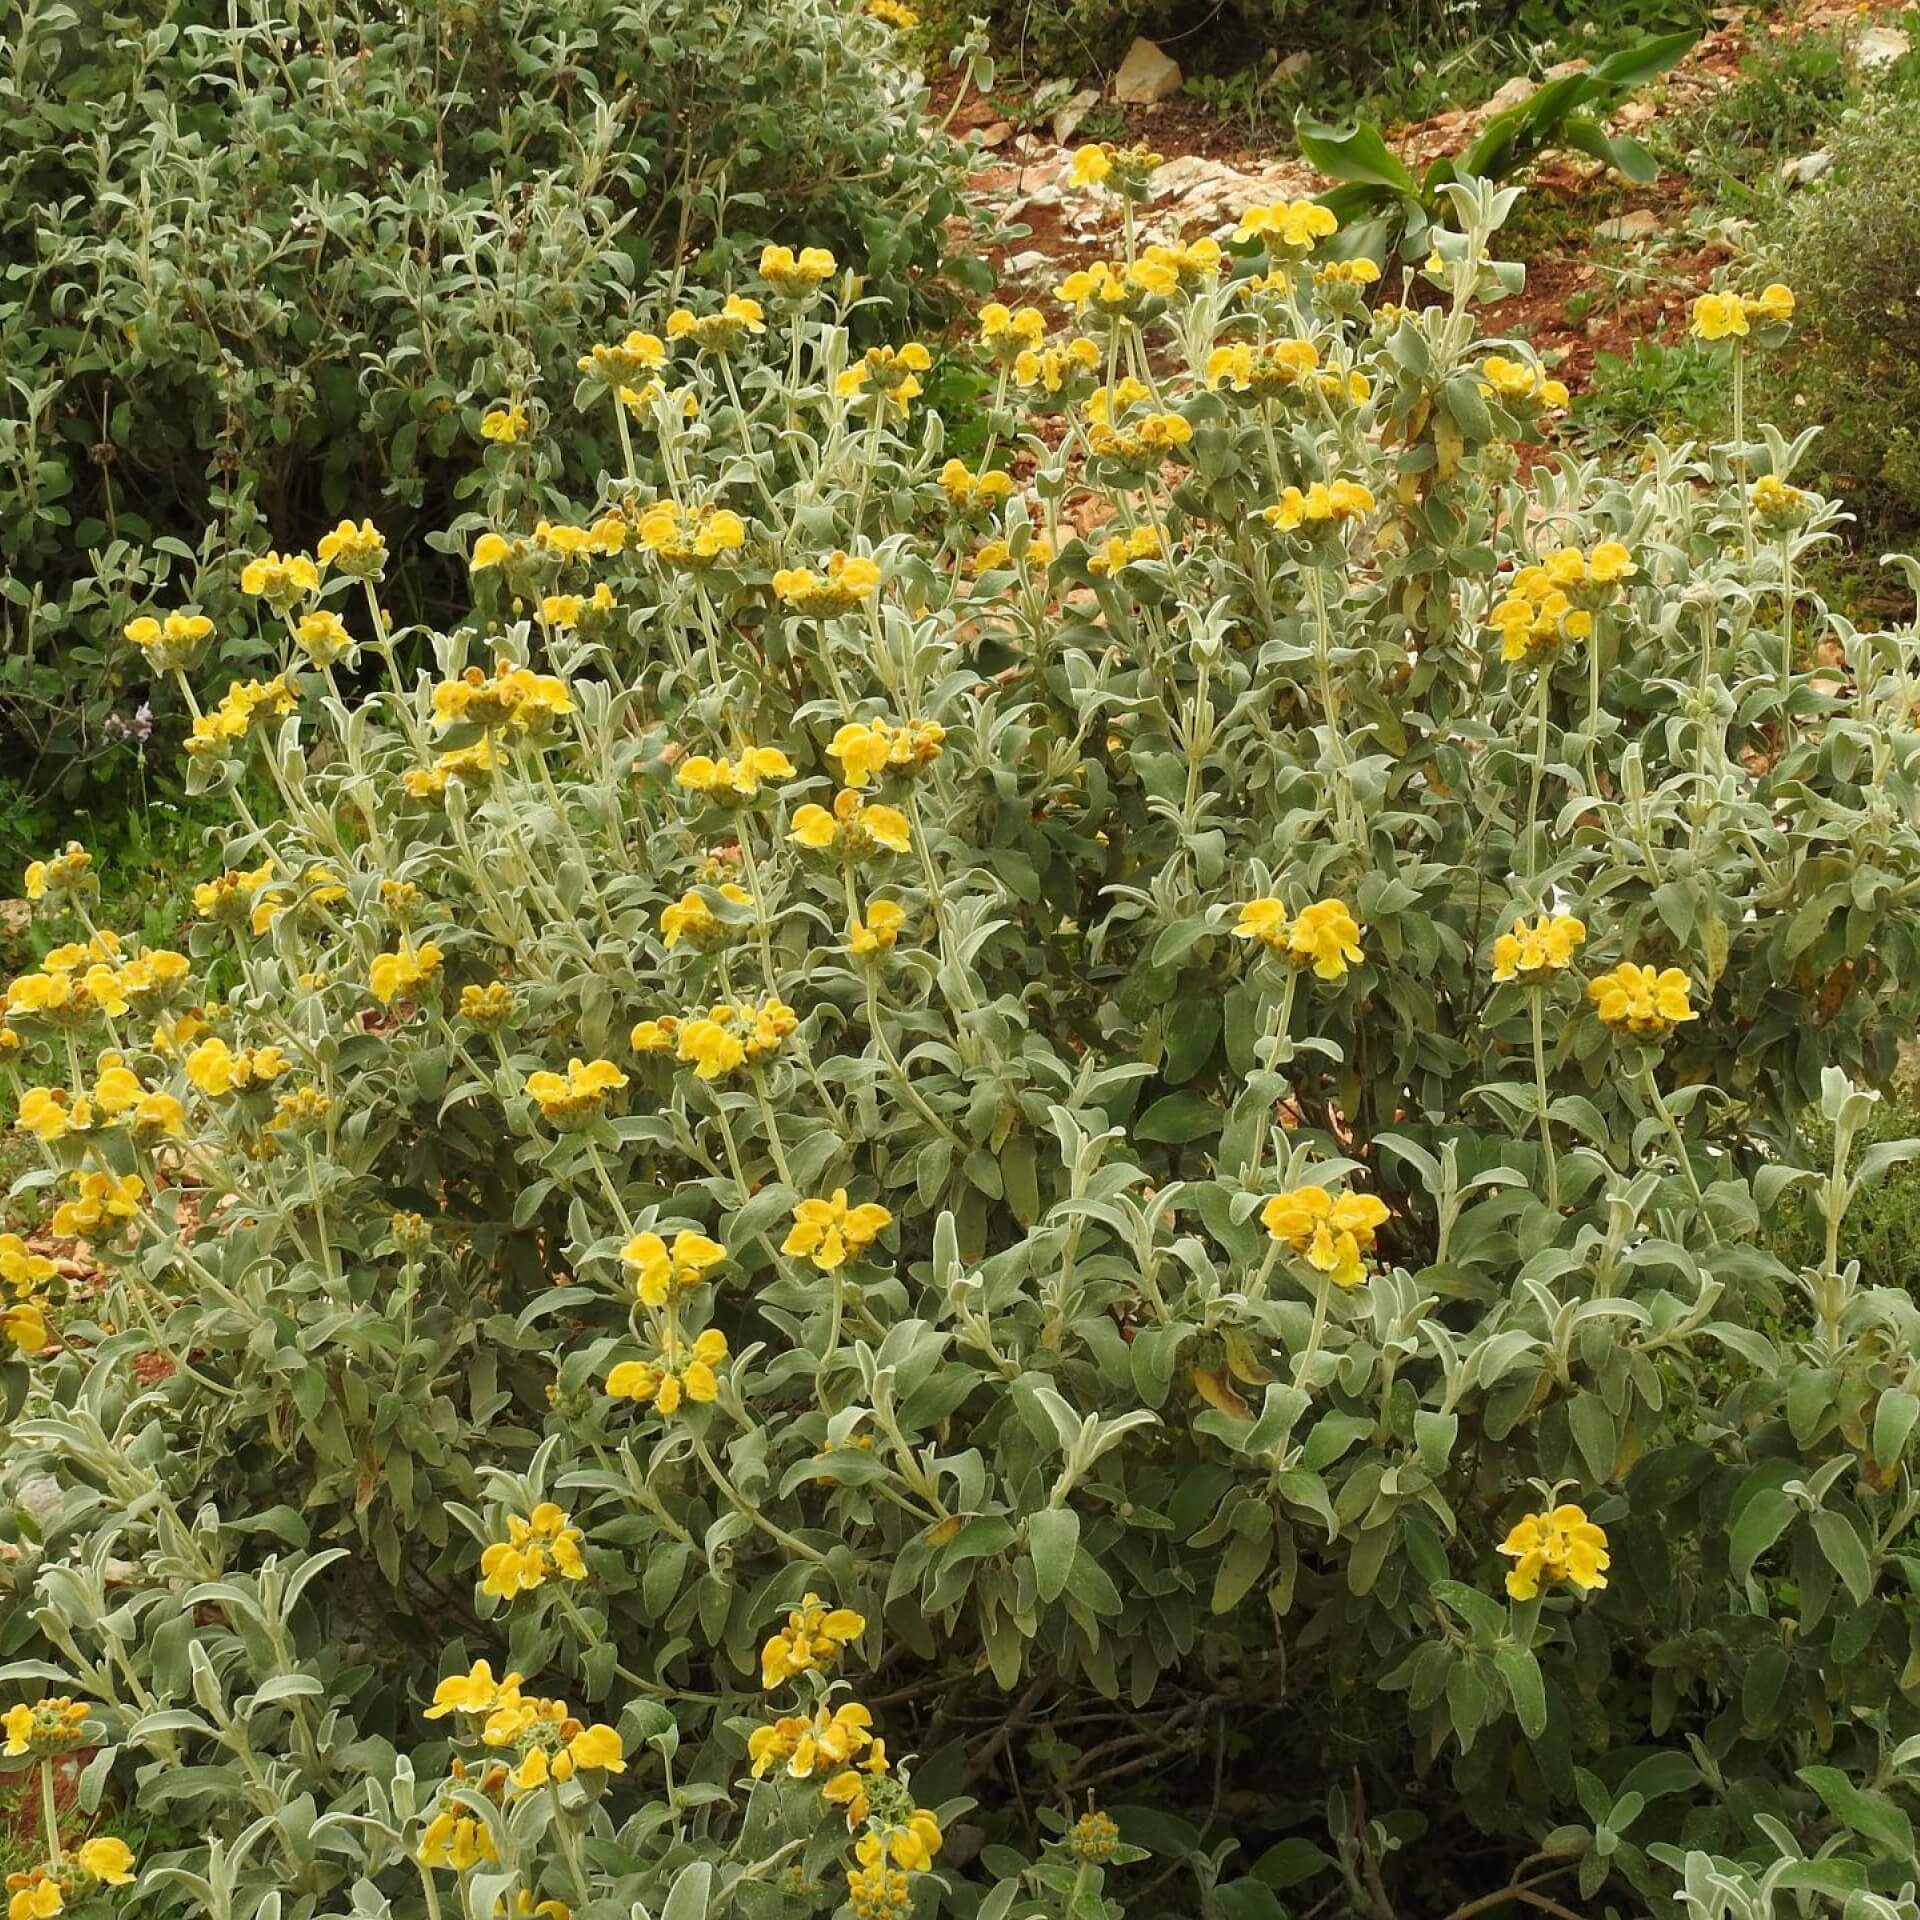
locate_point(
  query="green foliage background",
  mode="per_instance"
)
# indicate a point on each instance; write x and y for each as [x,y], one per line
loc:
[262,263]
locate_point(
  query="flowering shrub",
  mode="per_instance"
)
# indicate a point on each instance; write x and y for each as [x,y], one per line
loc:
[347,260]
[1847,243]
[903,1154]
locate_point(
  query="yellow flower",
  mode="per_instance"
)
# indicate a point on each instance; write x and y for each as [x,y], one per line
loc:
[660,1272]
[241,708]
[504,425]
[217,1070]
[1341,274]
[456,1840]
[1546,946]
[475,1691]
[39,1898]
[20,1267]
[24,1326]
[829,1232]
[1320,508]
[740,777]
[654,1036]
[52,1113]
[718,332]
[1007,332]
[1331,1232]
[691,540]
[876,1891]
[692,917]
[405,972]
[893,13]
[811,1642]
[1327,936]
[1119,552]
[581,1090]
[625,361]
[1052,369]
[1265,920]
[796,276]
[489,1006]
[490,550]
[1091,165]
[109,1860]
[160,1113]
[878,931]
[55,1724]
[280,582]
[598,1746]
[1521,385]
[846,583]
[681,1372]
[356,550]
[1778,504]
[854,827]
[910,1843]
[1642,1001]
[711,1047]
[514,698]
[1719,316]
[1294,224]
[323,637]
[543,1543]
[170,643]
[100,1200]
[801,1743]
[1774,303]
[1558,1548]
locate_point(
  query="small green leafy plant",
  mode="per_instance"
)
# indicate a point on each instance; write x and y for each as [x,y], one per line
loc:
[1386,209]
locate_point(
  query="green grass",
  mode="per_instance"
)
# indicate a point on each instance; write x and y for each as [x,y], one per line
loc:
[1882,1227]
[1679,392]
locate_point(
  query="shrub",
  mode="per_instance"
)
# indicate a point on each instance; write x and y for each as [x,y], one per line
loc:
[255,276]
[1852,369]
[1099,1115]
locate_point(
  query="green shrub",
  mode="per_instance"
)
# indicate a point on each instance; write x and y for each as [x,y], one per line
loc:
[1006,1047]
[1854,367]
[253,274]
[1787,92]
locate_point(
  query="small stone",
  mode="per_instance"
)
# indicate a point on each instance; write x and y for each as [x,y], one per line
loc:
[1146,75]
[1576,65]
[1879,47]
[998,134]
[1513,93]
[1639,224]
[1804,171]
[1069,114]
[1031,262]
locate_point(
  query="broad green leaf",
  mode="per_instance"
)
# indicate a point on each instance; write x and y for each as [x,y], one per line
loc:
[1053,1537]
[1356,154]
[1864,1811]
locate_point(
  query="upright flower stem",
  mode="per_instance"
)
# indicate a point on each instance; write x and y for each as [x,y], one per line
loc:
[774,1145]
[1786,623]
[1740,446]
[717,1474]
[1679,1139]
[1543,701]
[607,1187]
[50,1814]
[1316,1334]
[1282,1021]
[1540,1089]
[1323,673]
